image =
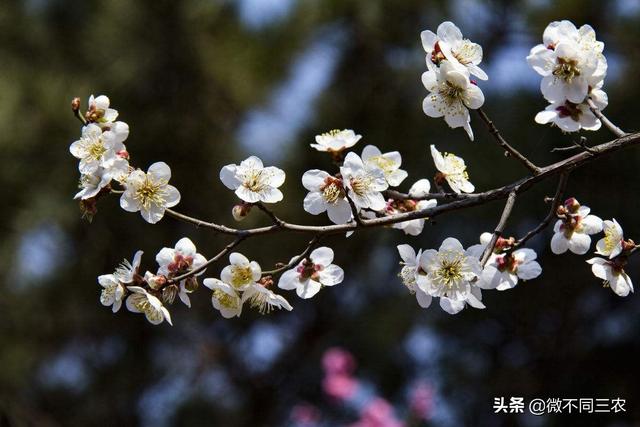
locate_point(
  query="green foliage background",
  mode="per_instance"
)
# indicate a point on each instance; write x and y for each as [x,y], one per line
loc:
[184,74]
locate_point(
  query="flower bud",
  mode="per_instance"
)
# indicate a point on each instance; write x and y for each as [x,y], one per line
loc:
[123,154]
[240,211]
[75,104]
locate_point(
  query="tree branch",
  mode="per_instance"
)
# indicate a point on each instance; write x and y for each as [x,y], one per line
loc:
[296,260]
[504,144]
[605,121]
[468,201]
[277,221]
[506,212]
[562,185]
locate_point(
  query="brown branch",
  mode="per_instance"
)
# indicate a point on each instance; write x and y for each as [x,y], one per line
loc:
[212,260]
[605,121]
[296,259]
[468,201]
[277,221]
[497,232]
[397,195]
[504,144]
[354,211]
[562,185]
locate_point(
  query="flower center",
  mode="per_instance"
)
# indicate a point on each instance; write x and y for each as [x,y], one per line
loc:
[108,294]
[96,149]
[309,270]
[150,192]
[255,181]
[466,52]
[332,133]
[383,163]
[569,109]
[332,190]
[611,239]
[566,69]
[360,185]
[507,263]
[437,56]
[241,275]
[449,272]
[451,92]
[225,299]
[142,304]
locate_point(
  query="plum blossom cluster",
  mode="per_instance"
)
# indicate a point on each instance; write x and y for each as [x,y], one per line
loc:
[104,160]
[457,277]
[451,61]
[573,69]
[361,191]
[572,232]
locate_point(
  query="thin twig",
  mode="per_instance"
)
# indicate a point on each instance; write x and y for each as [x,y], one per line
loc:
[562,185]
[354,211]
[504,144]
[396,195]
[581,143]
[605,121]
[296,260]
[497,232]
[277,221]
[215,258]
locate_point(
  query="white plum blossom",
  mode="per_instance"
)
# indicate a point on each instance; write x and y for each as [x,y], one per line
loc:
[611,245]
[570,61]
[224,298]
[503,270]
[113,291]
[336,140]
[326,193]
[412,227]
[150,193]
[448,44]
[127,271]
[252,182]
[99,111]
[448,273]
[91,184]
[241,273]
[96,149]
[312,273]
[451,95]
[409,272]
[389,163]
[569,117]
[264,299]
[364,182]
[420,188]
[453,170]
[572,233]
[141,301]
[180,260]
[613,275]
[114,284]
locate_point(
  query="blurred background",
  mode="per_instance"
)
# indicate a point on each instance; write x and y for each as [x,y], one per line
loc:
[204,83]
